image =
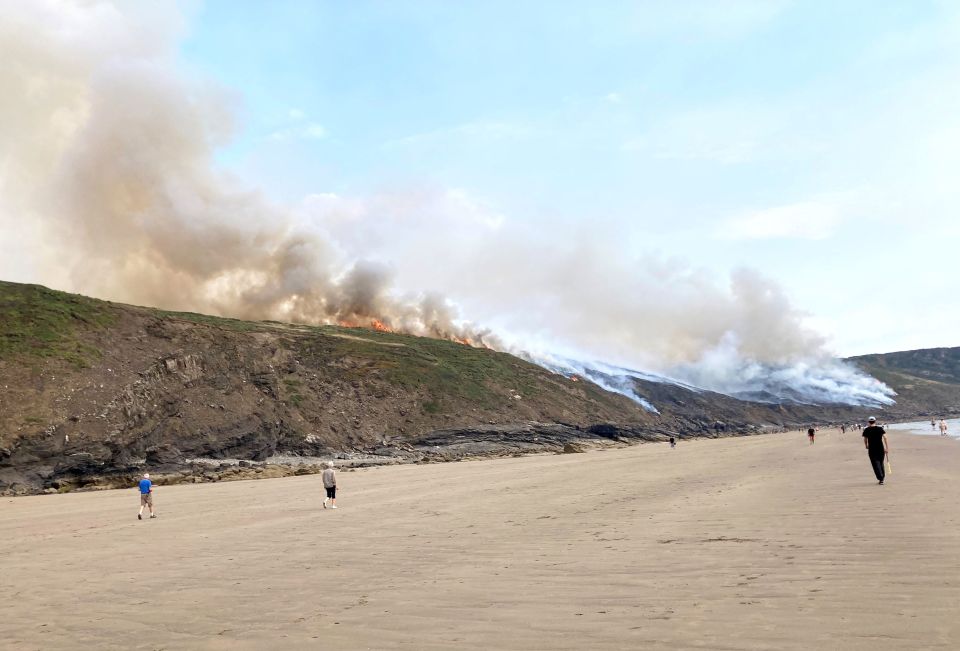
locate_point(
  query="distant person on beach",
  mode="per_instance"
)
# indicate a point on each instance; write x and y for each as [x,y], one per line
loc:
[673,442]
[943,427]
[933,425]
[146,496]
[330,484]
[875,440]
[810,434]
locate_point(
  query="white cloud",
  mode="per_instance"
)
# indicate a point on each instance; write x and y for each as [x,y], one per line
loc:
[310,131]
[731,133]
[315,131]
[296,126]
[805,220]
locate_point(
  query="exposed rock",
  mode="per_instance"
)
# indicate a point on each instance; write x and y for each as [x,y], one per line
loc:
[163,455]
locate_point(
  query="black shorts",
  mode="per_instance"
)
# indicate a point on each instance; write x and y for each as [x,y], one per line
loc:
[331,492]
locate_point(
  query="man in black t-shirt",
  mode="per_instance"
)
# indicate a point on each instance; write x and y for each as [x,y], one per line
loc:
[875,440]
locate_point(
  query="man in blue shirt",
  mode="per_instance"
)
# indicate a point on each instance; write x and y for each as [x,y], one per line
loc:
[146,496]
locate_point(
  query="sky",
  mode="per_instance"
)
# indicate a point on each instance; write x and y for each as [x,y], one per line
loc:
[812,142]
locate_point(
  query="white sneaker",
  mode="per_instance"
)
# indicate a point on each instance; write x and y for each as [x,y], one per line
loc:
[333,506]
[325,502]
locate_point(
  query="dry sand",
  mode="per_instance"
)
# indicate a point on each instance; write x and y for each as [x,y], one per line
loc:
[749,543]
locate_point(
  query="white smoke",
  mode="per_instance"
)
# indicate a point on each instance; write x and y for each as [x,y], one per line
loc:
[611,378]
[811,379]
[556,297]
[106,148]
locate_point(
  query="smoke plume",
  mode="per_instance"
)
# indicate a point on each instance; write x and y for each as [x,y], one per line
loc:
[108,175]
[110,151]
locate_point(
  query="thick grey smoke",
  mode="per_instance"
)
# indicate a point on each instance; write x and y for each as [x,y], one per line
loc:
[107,173]
[109,150]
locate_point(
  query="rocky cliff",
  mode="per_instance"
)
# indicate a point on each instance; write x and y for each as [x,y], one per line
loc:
[94,391]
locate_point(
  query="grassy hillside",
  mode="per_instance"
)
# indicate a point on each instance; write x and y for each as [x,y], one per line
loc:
[927,381]
[932,364]
[40,322]
[103,383]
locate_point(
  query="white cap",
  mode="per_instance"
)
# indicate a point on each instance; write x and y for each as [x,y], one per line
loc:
[871,420]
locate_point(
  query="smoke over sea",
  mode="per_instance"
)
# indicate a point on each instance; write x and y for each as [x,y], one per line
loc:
[108,182]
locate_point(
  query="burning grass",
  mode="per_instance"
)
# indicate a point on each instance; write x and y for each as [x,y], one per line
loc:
[438,369]
[446,376]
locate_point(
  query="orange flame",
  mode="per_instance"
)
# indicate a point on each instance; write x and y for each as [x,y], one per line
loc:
[380,326]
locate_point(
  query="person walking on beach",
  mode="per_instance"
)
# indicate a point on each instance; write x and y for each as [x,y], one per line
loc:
[875,440]
[146,496]
[673,442]
[943,427]
[810,434]
[933,425]
[330,484]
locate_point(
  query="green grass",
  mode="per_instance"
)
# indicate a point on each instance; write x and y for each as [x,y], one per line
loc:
[40,322]
[205,319]
[431,407]
[931,364]
[437,368]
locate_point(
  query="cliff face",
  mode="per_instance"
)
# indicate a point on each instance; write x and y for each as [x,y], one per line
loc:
[91,388]
[89,385]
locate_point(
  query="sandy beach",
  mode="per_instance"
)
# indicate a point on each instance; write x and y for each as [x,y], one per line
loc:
[742,543]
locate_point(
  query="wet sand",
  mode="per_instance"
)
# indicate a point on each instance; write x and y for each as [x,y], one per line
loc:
[923,428]
[746,543]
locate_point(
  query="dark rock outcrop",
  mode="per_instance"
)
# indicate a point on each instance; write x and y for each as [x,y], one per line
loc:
[163,455]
